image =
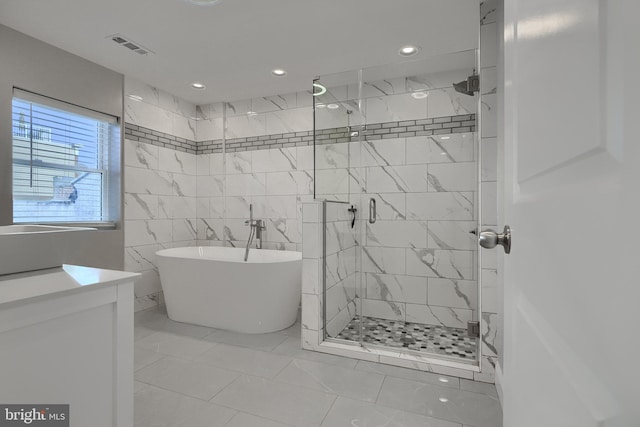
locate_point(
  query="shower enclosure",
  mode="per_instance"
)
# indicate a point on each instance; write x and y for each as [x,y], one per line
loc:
[396,166]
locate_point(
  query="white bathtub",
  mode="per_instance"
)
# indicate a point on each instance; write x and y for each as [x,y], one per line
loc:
[213,286]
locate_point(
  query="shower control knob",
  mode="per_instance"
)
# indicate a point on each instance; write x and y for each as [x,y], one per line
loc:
[489,239]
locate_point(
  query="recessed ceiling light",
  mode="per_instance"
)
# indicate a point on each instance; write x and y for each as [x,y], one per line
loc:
[408,50]
[320,105]
[135,97]
[197,85]
[204,2]
[443,380]
[251,113]
[279,72]
[321,89]
[445,137]
[420,94]
[443,400]
[333,106]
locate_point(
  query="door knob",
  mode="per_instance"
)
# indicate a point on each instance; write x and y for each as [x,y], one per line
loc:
[489,239]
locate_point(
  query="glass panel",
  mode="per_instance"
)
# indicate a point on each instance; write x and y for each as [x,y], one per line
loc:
[419,158]
[403,136]
[338,120]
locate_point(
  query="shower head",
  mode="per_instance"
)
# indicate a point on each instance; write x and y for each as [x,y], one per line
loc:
[468,86]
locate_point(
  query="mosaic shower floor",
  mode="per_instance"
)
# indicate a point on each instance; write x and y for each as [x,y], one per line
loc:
[441,340]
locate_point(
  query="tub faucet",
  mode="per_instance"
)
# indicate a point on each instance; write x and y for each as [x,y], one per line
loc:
[256,228]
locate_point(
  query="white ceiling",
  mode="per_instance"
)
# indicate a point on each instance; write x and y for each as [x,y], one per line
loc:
[232,47]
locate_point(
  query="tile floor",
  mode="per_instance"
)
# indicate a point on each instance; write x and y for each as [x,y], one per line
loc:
[452,342]
[192,376]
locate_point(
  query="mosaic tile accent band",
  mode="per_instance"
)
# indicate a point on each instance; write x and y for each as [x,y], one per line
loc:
[432,339]
[375,131]
[142,134]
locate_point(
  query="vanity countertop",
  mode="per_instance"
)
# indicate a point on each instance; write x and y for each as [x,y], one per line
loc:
[19,288]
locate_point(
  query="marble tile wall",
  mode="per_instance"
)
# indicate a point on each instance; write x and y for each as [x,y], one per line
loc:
[342,265]
[419,258]
[159,182]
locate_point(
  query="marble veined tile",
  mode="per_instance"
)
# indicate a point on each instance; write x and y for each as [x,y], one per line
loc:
[274,103]
[393,108]
[210,186]
[383,152]
[458,406]
[398,288]
[140,258]
[174,345]
[209,129]
[350,412]
[239,162]
[146,232]
[149,94]
[454,235]
[246,126]
[176,207]
[389,206]
[290,404]
[245,360]
[283,230]
[147,115]
[210,229]
[156,407]
[384,87]
[287,121]
[435,315]
[184,185]
[383,309]
[440,206]
[455,147]
[140,206]
[147,181]
[292,347]
[440,263]
[332,156]
[448,102]
[246,184]
[437,80]
[399,234]
[453,293]
[186,377]
[140,155]
[397,179]
[408,374]
[274,160]
[383,260]
[184,126]
[332,379]
[238,108]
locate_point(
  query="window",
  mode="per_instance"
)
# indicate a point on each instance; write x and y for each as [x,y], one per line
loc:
[61,158]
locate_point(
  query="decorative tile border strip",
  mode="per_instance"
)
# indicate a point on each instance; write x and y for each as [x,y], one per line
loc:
[402,129]
[138,133]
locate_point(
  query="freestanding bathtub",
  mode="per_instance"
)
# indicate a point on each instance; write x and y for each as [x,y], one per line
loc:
[213,286]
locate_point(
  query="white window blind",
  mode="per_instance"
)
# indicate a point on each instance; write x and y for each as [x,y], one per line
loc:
[60,161]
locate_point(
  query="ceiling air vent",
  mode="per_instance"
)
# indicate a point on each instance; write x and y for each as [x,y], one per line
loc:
[129,44]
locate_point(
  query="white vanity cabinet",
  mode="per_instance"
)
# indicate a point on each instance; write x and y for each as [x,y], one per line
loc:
[66,337]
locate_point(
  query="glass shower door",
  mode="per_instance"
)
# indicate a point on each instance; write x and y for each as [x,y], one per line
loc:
[337,121]
[398,144]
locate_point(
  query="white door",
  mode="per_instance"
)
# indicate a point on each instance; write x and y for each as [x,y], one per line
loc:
[571,196]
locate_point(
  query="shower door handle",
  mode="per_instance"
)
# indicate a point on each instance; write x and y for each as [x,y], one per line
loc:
[489,239]
[372,210]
